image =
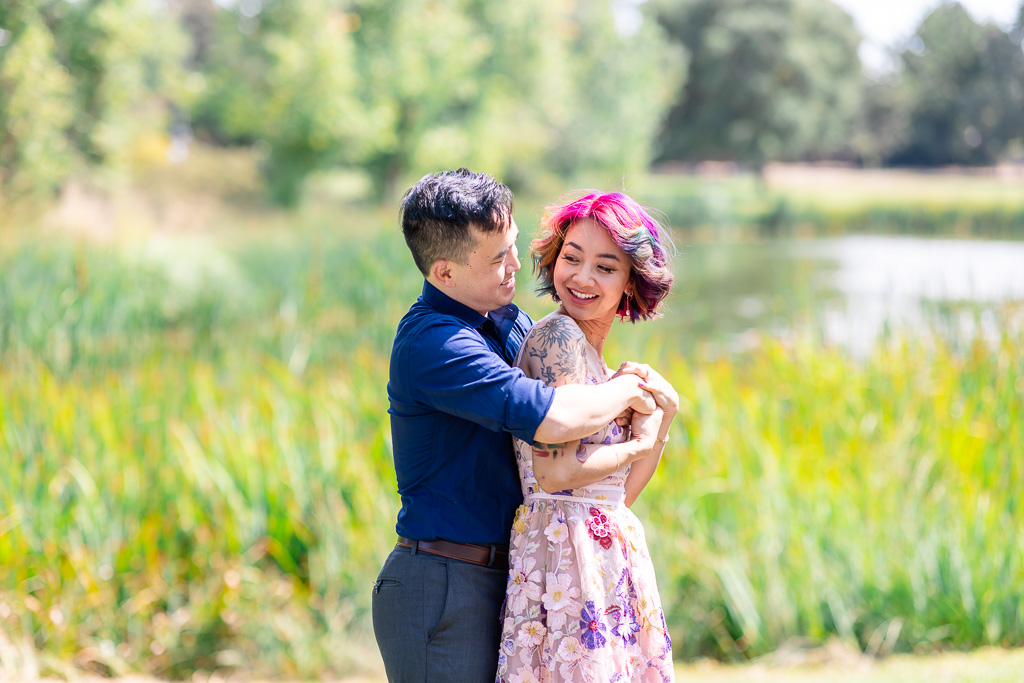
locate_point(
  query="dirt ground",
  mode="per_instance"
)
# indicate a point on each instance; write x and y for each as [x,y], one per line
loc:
[831,664]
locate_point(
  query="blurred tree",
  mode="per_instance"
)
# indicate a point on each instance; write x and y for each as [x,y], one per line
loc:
[440,80]
[518,89]
[81,81]
[281,76]
[124,57]
[768,79]
[882,123]
[622,83]
[35,105]
[965,84]
[398,88]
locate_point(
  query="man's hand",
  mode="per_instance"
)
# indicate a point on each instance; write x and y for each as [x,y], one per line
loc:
[625,418]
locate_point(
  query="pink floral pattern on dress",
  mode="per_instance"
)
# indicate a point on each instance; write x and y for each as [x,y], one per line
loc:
[600,528]
[582,602]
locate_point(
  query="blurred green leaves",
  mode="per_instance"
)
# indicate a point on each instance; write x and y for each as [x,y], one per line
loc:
[284,78]
[768,80]
[391,89]
[965,83]
[35,105]
[398,89]
[534,92]
[80,85]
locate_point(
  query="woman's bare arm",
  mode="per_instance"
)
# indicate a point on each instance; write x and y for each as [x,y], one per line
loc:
[668,404]
[593,462]
[643,469]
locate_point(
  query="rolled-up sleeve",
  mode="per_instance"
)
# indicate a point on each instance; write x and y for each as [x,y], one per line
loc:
[451,369]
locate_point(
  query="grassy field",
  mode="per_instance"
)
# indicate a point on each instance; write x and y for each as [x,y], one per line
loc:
[196,467]
[801,200]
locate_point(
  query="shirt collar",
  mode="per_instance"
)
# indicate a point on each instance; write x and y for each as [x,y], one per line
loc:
[503,317]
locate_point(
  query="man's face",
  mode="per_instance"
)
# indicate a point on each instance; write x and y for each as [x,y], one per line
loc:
[488,278]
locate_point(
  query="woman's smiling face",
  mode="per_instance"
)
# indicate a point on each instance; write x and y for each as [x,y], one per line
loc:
[591,272]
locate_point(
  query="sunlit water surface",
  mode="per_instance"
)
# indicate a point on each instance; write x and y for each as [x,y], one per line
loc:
[849,290]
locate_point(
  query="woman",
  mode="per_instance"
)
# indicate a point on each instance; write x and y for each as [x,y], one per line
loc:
[582,603]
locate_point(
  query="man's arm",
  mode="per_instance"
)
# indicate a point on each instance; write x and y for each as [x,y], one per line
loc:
[579,410]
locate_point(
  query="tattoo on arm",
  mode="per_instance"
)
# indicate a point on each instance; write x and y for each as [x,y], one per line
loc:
[559,349]
[545,450]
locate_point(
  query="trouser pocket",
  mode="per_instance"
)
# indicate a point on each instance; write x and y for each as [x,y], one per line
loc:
[383,582]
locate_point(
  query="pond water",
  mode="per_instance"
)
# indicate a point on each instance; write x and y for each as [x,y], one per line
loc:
[850,290]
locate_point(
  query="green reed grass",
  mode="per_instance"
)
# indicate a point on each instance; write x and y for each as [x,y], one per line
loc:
[878,500]
[169,515]
[199,477]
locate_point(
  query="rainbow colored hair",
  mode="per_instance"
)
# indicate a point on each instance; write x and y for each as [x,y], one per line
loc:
[632,228]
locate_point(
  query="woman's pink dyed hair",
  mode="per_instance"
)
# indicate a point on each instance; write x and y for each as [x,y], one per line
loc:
[632,228]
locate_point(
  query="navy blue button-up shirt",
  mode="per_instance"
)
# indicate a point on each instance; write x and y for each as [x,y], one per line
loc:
[455,400]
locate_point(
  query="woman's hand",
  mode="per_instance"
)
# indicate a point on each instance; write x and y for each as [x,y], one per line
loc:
[647,402]
[645,428]
[632,368]
[664,393]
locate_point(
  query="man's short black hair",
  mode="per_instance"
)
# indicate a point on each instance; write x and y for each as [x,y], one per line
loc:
[437,212]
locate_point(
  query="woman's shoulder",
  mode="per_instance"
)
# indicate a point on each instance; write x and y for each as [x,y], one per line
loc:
[556,328]
[555,351]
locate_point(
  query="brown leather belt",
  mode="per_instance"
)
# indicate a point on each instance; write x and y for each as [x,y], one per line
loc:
[494,556]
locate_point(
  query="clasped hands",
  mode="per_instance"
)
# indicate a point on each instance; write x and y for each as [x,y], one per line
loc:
[649,422]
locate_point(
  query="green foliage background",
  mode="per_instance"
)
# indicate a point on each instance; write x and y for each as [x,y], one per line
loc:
[197,471]
[195,468]
[531,92]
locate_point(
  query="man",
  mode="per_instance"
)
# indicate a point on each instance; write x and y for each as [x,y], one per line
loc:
[454,401]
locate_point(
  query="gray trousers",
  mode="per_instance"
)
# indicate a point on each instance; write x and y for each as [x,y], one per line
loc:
[436,620]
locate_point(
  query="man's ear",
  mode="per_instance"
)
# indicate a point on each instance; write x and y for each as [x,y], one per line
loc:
[442,272]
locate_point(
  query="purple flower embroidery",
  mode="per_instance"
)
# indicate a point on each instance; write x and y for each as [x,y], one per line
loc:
[593,629]
[625,591]
[627,627]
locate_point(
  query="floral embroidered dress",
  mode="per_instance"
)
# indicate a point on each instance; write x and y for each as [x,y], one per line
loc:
[582,603]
